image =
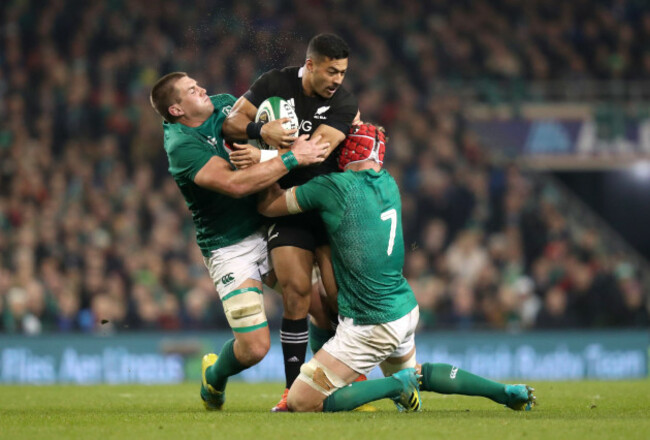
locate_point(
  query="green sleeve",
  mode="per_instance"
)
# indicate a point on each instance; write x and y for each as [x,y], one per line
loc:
[312,194]
[326,193]
[186,160]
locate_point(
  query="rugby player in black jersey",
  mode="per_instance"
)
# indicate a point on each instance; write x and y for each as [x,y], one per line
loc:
[323,108]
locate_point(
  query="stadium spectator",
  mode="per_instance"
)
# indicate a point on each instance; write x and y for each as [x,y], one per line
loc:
[555,313]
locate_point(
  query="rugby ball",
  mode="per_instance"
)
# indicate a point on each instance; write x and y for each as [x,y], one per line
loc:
[275,108]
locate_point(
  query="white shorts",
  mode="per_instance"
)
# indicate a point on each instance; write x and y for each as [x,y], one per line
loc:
[230,266]
[363,347]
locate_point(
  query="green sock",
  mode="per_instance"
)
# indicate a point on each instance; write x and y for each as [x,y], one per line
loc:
[447,379]
[227,365]
[358,393]
[318,337]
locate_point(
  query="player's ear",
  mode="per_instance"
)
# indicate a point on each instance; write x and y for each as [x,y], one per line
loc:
[175,110]
[309,64]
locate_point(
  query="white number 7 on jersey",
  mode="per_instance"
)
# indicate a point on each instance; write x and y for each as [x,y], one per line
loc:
[391,215]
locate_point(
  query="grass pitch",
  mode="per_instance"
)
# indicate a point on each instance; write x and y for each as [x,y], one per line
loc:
[566,410]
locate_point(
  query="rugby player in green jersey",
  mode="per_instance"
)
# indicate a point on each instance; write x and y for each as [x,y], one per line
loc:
[378,313]
[228,226]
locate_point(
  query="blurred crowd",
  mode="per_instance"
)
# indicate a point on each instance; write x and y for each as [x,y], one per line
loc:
[94,234]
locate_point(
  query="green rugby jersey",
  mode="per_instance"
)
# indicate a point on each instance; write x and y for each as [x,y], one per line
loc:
[362,212]
[219,220]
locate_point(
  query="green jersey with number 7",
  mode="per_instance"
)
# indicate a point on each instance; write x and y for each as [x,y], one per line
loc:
[362,212]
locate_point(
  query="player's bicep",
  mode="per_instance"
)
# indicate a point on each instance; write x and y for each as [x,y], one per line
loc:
[331,135]
[214,175]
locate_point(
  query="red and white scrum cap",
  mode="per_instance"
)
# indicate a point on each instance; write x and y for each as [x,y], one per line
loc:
[364,142]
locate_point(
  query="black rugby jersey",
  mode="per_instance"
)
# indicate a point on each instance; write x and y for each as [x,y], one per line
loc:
[338,112]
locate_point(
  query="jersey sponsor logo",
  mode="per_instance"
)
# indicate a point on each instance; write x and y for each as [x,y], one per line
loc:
[212,141]
[305,126]
[320,111]
[228,278]
[454,370]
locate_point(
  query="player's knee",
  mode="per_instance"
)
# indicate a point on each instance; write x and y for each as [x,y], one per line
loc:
[254,351]
[296,286]
[298,402]
[294,402]
[257,352]
[320,378]
[258,348]
[390,367]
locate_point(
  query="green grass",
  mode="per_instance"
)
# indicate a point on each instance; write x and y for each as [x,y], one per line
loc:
[566,410]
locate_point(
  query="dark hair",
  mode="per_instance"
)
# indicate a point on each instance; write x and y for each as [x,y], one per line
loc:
[328,45]
[163,95]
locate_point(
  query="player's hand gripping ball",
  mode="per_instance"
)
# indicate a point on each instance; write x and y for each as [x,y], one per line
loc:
[275,108]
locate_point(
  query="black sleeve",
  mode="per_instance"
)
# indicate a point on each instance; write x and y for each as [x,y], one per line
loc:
[343,113]
[261,88]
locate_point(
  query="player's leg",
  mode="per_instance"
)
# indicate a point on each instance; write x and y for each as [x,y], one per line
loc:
[237,271]
[323,310]
[245,312]
[403,358]
[293,267]
[321,386]
[322,321]
[448,379]
[293,241]
[323,255]
[354,350]
[319,378]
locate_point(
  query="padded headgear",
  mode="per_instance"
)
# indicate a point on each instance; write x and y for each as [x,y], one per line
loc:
[364,142]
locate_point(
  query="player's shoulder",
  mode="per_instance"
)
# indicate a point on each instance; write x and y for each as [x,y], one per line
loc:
[340,180]
[364,178]
[344,97]
[175,135]
[222,100]
[382,177]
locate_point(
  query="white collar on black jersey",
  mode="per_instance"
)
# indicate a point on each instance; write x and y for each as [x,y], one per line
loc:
[300,71]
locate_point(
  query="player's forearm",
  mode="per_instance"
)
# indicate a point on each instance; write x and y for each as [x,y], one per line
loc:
[330,135]
[272,203]
[255,178]
[234,127]
[276,202]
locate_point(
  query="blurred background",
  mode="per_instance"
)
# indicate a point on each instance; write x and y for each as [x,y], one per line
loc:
[519,135]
